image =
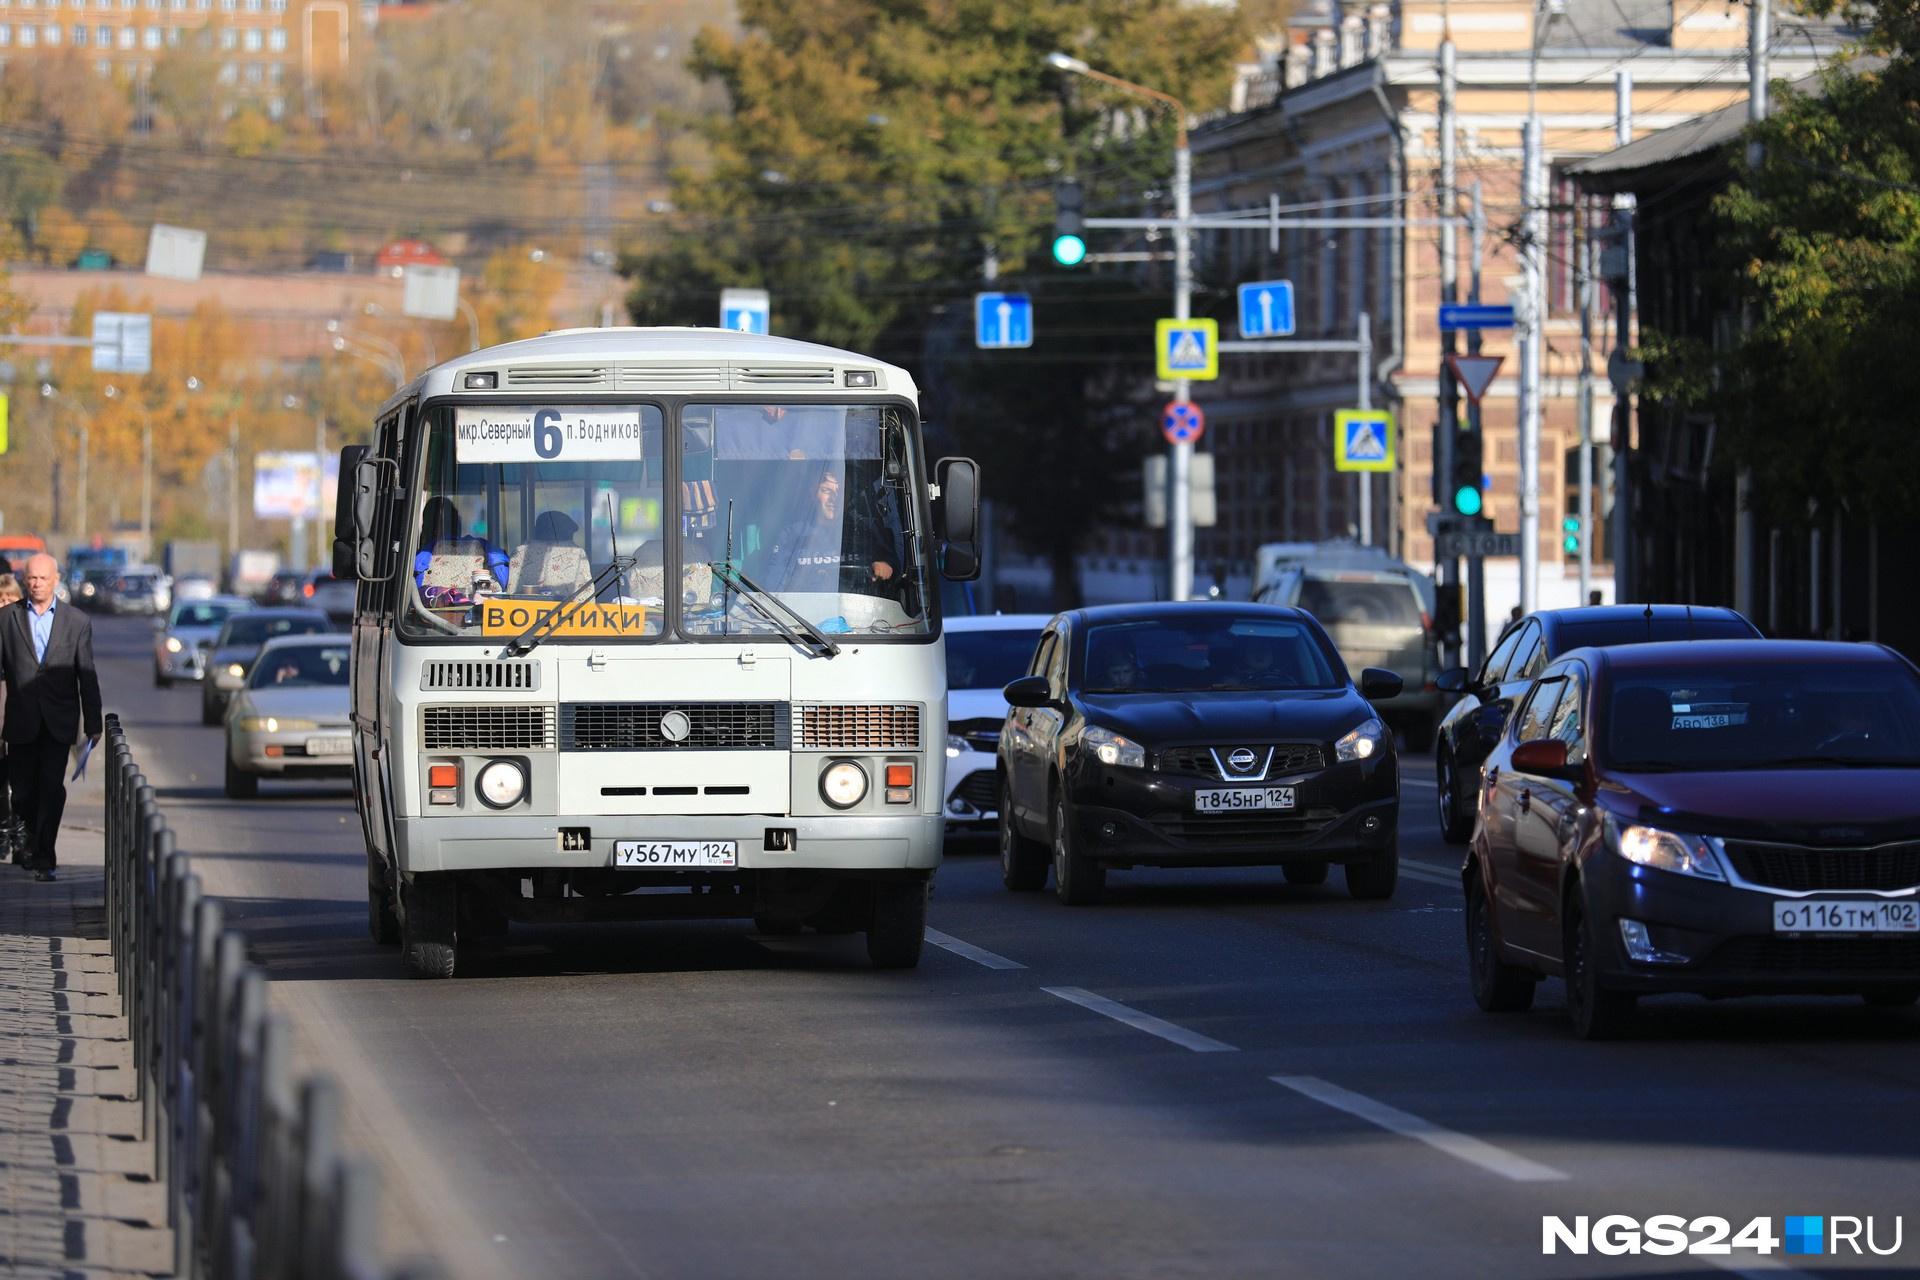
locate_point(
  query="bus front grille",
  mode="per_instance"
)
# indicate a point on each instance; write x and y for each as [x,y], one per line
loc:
[486,728]
[487,675]
[673,726]
[826,726]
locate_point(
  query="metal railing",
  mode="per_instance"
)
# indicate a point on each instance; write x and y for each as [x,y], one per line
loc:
[257,1188]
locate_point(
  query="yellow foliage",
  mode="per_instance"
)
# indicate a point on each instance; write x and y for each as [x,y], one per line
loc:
[58,235]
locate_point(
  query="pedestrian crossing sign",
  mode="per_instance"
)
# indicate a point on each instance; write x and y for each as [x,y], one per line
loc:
[1186,349]
[1362,440]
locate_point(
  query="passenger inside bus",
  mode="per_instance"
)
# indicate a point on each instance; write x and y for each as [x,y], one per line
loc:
[449,563]
[549,564]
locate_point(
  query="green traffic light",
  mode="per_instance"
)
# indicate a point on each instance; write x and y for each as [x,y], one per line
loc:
[1068,251]
[1572,545]
[1467,500]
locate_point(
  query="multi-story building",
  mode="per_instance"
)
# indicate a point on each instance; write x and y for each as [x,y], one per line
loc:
[266,51]
[1347,121]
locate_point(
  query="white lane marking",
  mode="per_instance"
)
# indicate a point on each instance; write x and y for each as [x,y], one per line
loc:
[1458,1145]
[1140,1021]
[1759,1268]
[979,955]
[1430,875]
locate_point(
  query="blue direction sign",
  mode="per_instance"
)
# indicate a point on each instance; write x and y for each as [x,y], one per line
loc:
[1002,320]
[1266,309]
[1181,422]
[745,310]
[1474,315]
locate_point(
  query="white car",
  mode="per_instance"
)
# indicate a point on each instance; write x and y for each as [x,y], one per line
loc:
[291,719]
[984,655]
[179,638]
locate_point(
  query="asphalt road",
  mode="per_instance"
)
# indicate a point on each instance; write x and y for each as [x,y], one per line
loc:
[1211,1075]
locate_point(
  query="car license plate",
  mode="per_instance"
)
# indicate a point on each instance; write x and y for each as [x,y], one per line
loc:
[329,746]
[1826,916]
[1238,798]
[675,853]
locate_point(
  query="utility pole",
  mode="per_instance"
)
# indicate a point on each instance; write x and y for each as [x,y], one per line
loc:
[1624,304]
[323,550]
[1532,242]
[233,486]
[1476,565]
[1180,468]
[1363,337]
[1759,32]
[1449,424]
[1583,266]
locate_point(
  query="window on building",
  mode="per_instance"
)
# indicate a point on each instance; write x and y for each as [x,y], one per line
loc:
[203,5]
[103,69]
[6,34]
[227,6]
[1572,218]
[28,37]
[277,41]
[175,36]
[156,38]
[229,38]
[251,73]
[276,107]
[229,74]
[79,35]
[251,41]
[52,35]
[276,73]
[127,37]
[103,36]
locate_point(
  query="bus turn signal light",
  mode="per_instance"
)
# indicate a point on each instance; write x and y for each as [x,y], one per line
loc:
[443,775]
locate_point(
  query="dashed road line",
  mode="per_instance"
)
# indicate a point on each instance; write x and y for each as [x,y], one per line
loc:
[1458,1145]
[979,955]
[1141,1021]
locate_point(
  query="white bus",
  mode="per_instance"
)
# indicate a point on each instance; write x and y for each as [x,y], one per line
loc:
[648,627]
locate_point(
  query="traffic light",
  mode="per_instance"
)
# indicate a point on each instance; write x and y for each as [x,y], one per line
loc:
[1469,478]
[1570,535]
[1069,222]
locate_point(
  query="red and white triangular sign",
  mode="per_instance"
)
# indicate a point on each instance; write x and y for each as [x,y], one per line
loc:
[1475,373]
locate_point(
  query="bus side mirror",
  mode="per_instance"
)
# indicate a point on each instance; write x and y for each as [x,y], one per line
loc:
[956,517]
[348,529]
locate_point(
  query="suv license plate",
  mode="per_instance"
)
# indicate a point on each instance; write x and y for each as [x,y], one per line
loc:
[1816,916]
[1236,799]
[675,853]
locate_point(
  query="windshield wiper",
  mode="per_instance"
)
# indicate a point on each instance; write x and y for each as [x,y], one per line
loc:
[542,627]
[759,597]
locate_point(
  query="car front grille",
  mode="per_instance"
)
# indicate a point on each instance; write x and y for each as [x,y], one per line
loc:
[828,726]
[1212,830]
[980,790]
[1201,762]
[1788,866]
[1855,955]
[637,726]
[493,727]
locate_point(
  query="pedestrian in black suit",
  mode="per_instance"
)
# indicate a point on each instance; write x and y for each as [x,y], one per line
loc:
[46,662]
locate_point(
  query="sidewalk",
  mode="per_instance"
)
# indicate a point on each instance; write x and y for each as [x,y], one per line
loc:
[77,1195]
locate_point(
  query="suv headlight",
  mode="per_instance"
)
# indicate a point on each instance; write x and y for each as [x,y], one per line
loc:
[1674,851]
[1109,747]
[955,746]
[1363,743]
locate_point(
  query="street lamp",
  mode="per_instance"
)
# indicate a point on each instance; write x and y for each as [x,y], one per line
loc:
[48,390]
[372,347]
[146,467]
[473,321]
[1179,477]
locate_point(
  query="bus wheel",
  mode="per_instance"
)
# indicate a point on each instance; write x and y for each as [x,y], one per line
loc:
[430,925]
[383,922]
[899,924]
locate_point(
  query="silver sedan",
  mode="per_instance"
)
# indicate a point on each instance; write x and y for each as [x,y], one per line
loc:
[178,639]
[291,719]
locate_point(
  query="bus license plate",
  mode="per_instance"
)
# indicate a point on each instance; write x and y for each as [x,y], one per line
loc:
[675,853]
[1815,916]
[1238,798]
[329,746]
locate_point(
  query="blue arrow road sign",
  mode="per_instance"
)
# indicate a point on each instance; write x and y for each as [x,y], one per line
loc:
[1474,315]
[1002,320]
[744,310]
[1266,309]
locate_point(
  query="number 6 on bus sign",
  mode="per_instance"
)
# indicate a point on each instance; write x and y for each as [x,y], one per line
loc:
[530,433]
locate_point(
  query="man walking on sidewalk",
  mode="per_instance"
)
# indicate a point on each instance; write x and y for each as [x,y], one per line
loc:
[46,662]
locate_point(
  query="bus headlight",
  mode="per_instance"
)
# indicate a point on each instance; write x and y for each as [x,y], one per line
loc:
[844,784]
[500,784]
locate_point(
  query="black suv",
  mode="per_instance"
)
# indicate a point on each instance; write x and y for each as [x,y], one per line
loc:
[1472,726]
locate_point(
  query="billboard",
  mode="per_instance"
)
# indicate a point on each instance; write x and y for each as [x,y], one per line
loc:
[289,486]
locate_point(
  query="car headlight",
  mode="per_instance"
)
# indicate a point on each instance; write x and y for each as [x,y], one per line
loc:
[235,670]
[844,784]
[273,724]
[1363,743]
[1667,850]
[174,645]
[500,784]
[1109,747]
[955,745]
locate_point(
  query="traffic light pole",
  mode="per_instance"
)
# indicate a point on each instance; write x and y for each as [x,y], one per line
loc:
[1447,567]
[1180,465]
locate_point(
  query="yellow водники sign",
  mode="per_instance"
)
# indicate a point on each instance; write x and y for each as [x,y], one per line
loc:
[511,617]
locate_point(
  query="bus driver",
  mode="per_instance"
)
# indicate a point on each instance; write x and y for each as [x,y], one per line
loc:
[819,552]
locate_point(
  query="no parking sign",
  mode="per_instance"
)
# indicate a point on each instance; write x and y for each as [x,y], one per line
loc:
[1181,422]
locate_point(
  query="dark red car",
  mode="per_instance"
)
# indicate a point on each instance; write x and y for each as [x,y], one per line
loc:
[1724,818]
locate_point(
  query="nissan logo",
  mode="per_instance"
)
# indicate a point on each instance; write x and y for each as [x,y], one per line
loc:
[674,726]
[1242,760]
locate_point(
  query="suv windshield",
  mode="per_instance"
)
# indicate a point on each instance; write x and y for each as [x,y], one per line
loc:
[1340,601]
[1763,715]
[989,659]
[1195,656]
[526,508]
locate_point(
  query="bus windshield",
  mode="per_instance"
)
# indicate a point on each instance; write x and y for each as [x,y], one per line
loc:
[774,510]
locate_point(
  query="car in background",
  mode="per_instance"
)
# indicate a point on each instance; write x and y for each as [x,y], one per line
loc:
[291,720]
[283,588]
[195,586]
[89,588]
[180,641]
[232,653]
[1378,612]
[332,596]
[984,654]
[141,590]
[1473,724]
[1197,734]
[1722,818]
